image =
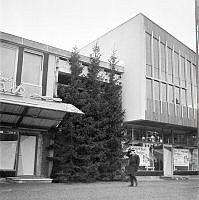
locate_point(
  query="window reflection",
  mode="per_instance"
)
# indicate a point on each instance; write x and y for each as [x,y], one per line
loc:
[8,149]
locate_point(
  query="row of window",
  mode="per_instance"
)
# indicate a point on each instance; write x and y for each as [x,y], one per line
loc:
[165,64]
[103,74]
[170,76]
[161,91]
[31,74]
[32,69]
[166,136]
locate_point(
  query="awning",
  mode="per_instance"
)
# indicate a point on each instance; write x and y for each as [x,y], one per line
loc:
[23,112]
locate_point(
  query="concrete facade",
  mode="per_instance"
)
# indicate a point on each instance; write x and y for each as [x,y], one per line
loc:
[29,106]
[159,89]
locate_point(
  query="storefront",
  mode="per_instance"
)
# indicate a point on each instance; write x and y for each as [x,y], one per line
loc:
[24,133]
[164,150]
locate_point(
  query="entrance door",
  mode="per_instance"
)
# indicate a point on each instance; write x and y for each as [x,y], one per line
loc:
[167,155]
[26,155]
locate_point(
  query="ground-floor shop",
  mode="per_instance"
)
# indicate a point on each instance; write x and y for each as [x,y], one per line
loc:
[24,152]
[164,149]
[26,126]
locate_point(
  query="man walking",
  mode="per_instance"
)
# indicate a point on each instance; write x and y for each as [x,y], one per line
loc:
[132,167]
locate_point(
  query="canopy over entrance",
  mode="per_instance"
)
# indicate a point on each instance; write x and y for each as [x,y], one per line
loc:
[23,112]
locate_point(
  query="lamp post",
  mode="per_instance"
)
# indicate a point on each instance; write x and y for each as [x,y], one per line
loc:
[197,68]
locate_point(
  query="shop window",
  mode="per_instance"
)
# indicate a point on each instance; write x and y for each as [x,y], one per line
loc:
[180,139]
[185,159]
[8,150]
[167,136]
[192,140]
[153,136]
[151,157]
[139,134]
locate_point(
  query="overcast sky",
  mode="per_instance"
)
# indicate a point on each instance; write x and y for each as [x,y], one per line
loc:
[66,23]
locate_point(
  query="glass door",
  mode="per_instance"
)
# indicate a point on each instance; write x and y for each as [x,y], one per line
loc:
[26,161]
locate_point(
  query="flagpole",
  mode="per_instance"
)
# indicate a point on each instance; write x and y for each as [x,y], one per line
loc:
[197,68]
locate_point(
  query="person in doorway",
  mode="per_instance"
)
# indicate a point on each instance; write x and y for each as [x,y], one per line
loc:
[132,167]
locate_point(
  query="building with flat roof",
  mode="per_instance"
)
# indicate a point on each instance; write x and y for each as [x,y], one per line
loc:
[159,94]
[30,73]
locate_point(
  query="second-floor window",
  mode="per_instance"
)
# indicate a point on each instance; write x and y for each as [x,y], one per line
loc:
[8,55]
[32,69]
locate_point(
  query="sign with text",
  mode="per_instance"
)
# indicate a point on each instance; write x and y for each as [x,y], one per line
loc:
[181,157]
[143,153]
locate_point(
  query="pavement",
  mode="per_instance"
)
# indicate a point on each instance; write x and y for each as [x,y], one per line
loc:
[146,190]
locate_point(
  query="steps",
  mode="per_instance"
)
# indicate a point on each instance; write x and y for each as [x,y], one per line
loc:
[174,177]
[28,179]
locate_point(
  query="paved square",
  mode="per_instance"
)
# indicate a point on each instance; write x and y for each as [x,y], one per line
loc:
[147,190]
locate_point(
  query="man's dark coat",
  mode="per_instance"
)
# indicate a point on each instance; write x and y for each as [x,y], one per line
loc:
[133,164]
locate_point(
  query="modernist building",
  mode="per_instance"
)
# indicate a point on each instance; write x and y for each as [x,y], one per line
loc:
[30,73]
[159,94]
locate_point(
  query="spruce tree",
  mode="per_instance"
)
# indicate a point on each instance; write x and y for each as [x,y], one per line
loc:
[112,123]
[89,146]
[71,153]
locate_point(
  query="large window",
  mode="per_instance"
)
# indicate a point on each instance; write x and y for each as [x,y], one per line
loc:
[156,90]
[149,88]
[177,95]
[183,97]
[32,73]
[148,56]
[8,56]
[188,72]
[194,85]
[164,92]
[170,66]
[8,149]
[32,69]
[171,94]
[163,62]
[182,72]
[156,58]
[176,69]
[189,96]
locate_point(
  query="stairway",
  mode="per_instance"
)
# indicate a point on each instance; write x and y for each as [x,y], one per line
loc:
[28,179]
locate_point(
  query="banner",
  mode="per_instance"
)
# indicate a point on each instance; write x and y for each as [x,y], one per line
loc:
[143,153]
[181,157]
